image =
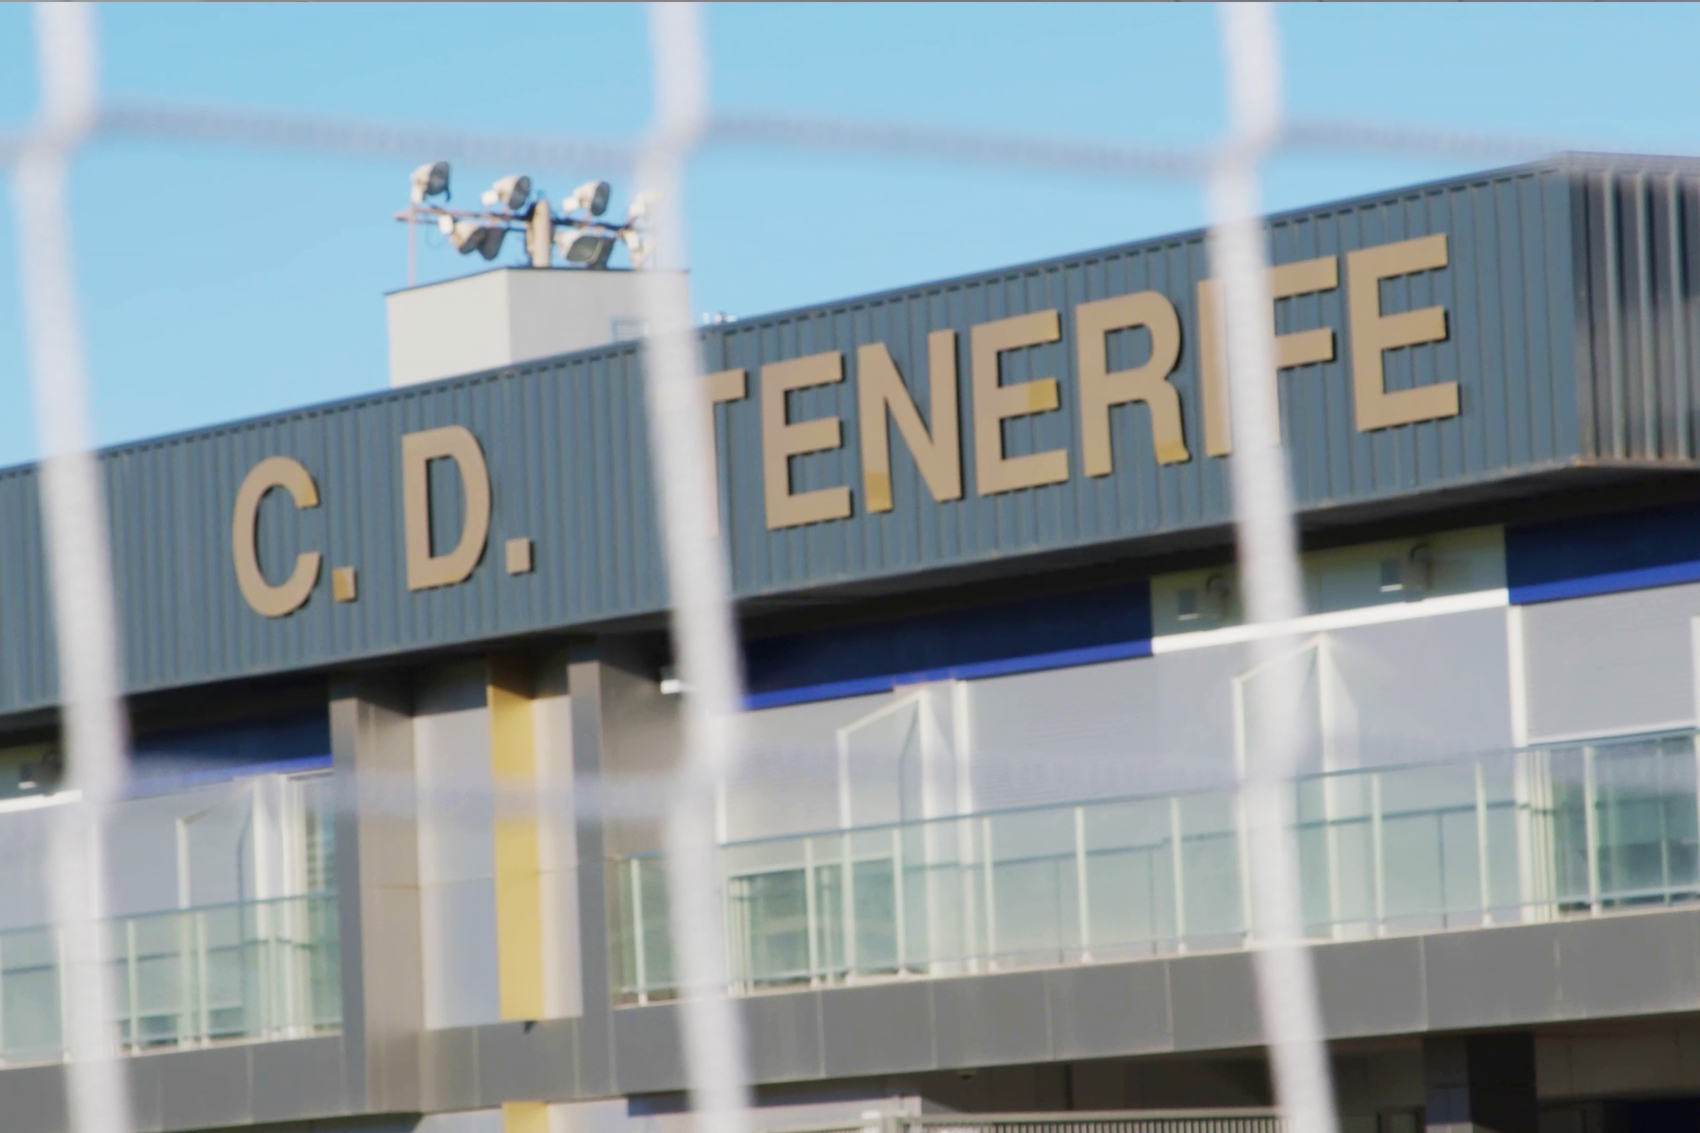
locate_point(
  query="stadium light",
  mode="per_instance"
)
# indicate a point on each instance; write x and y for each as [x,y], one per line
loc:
[469,236]
[589,247]
[431,180]
[582,239]
[638,245]
[643,205]
[509,193]
[592,197]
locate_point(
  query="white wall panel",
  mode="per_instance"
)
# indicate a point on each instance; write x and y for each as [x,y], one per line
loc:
[1152,725]
[23,849]
[1610,663]
[1427,688]
[457,897]
[787,782]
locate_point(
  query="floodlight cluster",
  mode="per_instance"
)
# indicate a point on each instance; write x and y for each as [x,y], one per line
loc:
[579,232]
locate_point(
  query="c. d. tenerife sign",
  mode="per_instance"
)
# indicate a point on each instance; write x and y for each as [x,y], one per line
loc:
[884,400]
[1472,335]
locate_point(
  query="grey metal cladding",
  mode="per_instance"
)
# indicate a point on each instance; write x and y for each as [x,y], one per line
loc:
[1561,358]
[27,656]
[1506,292]
[568,465]
[1637,315]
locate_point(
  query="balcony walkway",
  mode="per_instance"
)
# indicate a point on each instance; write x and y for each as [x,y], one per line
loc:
[1525,837]
[187,978]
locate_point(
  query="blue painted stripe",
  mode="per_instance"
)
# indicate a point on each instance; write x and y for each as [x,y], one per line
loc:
[1671,574]
[1604,554]
[1047,631]
[1059,659]
[832,690]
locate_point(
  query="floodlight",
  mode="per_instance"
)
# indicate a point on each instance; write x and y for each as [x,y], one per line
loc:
[640,246]
[510,192]
[492,243]
[465,235]
[583,246]
[592,197]
[469,236]
[431,180]
[643,205]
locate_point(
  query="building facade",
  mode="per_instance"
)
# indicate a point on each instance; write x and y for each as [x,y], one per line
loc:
[404,712]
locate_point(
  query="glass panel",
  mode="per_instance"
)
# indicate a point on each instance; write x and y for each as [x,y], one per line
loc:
[829,915]
[1210,871]
[644,945]
[1646,819]
[1428,844]
[774,907]
[255,970]
[1567,791]
[29,995]
[1505,818]
[1037,906]
[316,799]
[1130,877]
[875,907]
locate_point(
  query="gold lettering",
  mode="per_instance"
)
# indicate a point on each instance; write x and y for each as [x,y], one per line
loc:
[995,402]
[287,597]
[1374,332]
[781,439]
[723,386]
[1100,388]
[880,391]
[1299,348]
[456,443]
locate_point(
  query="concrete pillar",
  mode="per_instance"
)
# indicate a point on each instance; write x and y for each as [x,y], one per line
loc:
[622,728]
[585,680]
[1480,1083]
[377,870]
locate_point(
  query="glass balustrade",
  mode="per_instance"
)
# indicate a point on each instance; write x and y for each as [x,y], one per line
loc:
[1522,836]
[188,977]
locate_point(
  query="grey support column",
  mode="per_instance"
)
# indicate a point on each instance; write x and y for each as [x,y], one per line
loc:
[622,728]
[596,1039]
[377,872]
[1477,1083]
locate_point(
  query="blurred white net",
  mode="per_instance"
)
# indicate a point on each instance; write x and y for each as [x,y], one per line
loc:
[84,611]
[703,626]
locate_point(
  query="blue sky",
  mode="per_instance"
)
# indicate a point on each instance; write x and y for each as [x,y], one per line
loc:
[219,284]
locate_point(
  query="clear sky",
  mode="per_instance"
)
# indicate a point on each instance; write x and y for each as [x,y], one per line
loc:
[222,283]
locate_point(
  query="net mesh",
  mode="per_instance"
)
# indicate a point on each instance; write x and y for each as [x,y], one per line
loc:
[1228,173]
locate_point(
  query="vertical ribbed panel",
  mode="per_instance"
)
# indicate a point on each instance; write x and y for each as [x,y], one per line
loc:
[1637,323]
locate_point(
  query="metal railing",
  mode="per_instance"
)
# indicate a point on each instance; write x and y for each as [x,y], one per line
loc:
[1073,1121]
[189,977]
[1531,835]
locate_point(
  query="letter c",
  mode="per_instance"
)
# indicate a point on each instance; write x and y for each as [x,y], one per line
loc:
[272,601]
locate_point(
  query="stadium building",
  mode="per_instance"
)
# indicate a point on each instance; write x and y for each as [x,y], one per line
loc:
[403,707]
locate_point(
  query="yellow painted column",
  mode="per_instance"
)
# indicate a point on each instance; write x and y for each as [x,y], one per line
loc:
[525,1117]
[519,880]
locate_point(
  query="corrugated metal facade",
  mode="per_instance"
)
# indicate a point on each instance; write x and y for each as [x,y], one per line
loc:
[1641,229]
[1561,358]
